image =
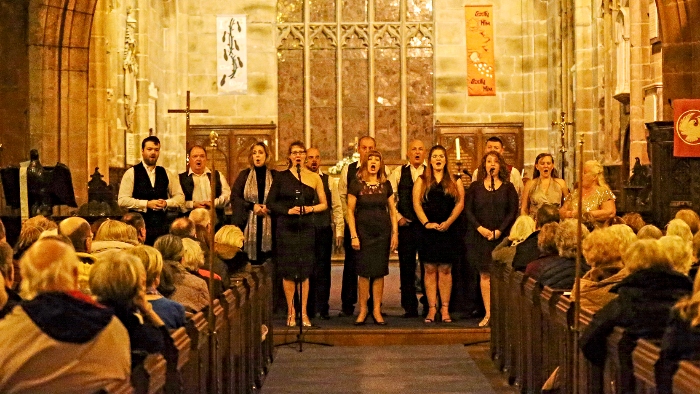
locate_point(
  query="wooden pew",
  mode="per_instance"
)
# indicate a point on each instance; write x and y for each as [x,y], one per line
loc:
[155,368]
[612,372]
[563,334]
[264,280]
[243,280]
[514,330]
[497,315]
[216,350]
[269,310]
[197,370]
[508,339]
[177,355]
[257,318]
[233,301]
[645,356]
[229,303]
[551,346]
[532,335]
[687,379]
[124,387]
[590,376]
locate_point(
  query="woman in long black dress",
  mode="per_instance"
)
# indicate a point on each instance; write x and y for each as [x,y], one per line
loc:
[249,196]
[373,231]
[293,201]
[438,200]
[491,207]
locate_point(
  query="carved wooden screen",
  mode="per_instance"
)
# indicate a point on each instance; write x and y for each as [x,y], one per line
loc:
[473,138]
[234,144]
[349,68]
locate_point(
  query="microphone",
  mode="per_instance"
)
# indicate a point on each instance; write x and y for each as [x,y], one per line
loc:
[493,187]
[301,206]
[298,168]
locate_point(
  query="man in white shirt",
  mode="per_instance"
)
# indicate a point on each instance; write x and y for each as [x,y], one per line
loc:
[151,190]
[402,179]
[326,224]
[196,185]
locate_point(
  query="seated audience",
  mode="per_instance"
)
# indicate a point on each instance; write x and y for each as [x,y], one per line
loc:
[113,235]
[200,217]
[681,340]
[10,297]
[644,299]
[690,217]
[649,231]
[611,222]
[29,233]
[522,228]
[680,228]
[118,280]
[190,291]
[679,252]
[527,251]
[228,243]
[634,220]
[79,233]
[59,340]
[547,245]
[696,256]
[560,273]
[3,235]
[135,220]
[193,261]
[183,228]
[172,313]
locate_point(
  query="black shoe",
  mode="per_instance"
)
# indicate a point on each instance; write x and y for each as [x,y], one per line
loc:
[410,315]
[377,322]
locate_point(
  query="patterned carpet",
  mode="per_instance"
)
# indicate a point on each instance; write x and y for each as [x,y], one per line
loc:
[377,369]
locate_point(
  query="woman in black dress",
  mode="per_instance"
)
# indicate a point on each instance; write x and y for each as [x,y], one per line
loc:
[293,201]
[373,231]
[438,200]
[491,207]
[249,196]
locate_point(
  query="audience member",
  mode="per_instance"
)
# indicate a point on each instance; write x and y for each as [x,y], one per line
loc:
[200,217]
[679,252]
[649,231]
[44,337]
[690,217]
[680,228]
[29,233]
[696,256]
[560,273]
[190,291]
[118,280]
[3,235]
[79,233]
[171,312]
[228,243]
[10,297]
[113,235]
[135,220]
[182,227]
[547,245]
[193,261]
[505,251]
[634,220]
[527,251]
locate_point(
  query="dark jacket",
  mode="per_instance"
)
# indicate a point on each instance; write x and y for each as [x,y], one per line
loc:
[144,337]
[680,342]
[560,272]
[13,299]
[644,300]
[526,252]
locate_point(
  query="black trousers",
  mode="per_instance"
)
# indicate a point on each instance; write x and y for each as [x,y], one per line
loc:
[320,280]
[408,246]
[348,292]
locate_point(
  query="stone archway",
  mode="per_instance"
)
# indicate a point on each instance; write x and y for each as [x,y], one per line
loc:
[58,46]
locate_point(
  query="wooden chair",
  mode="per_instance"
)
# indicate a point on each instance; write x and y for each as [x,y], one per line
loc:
[197,370]
[644,357]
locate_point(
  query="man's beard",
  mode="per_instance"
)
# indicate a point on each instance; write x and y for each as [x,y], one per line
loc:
[149,161]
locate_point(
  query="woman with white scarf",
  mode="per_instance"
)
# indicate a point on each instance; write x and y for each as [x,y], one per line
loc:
[249,196]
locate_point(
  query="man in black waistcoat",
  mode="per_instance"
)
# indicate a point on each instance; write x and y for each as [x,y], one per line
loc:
[402,179]
[196,185]
[325,224]
[348,293]
[151,190]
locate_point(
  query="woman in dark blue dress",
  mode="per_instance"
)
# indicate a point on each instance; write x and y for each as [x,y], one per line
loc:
[293,201]
[373,231]
[438,200]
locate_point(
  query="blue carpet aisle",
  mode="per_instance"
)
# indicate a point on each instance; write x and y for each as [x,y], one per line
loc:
[375,369]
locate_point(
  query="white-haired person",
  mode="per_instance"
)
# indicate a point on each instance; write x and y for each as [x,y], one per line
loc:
[172,313]
[598,199]
[60,340]
[228,246]
[194,263]
[114,235]
[523,227]
[118,280]
[190,291]
[680,228]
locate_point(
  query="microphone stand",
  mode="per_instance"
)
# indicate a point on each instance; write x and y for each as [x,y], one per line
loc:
[297,280]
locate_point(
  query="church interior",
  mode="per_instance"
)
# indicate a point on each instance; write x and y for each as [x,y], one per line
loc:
[85,81]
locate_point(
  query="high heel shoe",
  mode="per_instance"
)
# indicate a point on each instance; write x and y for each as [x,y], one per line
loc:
[431,316]
[305,320]
[361,321]
[445,312]
[378,322]
[291,321]
[485,322]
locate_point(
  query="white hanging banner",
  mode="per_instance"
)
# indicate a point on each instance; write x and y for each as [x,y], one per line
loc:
[232,54]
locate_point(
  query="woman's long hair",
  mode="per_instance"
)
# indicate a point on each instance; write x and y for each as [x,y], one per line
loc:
[428,177]
[536,172]
[503,174]
[597,168]
[363,173]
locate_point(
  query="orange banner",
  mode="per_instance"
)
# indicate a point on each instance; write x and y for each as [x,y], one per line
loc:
[481,68]
[686,127]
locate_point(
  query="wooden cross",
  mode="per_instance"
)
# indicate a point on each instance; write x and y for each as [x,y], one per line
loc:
[562,129]
[187,111]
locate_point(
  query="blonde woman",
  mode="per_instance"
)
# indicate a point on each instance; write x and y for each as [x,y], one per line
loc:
[598,199]
[114,235]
